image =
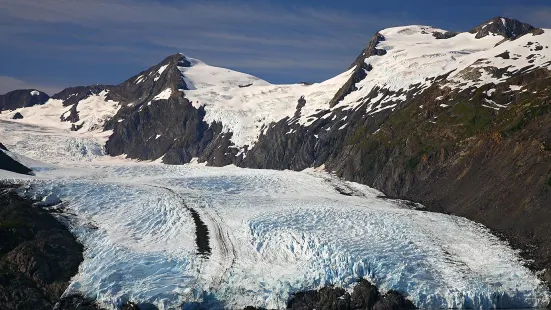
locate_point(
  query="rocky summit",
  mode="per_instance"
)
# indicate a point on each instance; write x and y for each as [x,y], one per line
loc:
[457,121]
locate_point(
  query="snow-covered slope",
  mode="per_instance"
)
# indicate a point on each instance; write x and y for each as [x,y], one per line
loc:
[92,112]
[198,75]
[271,233]
[247,111]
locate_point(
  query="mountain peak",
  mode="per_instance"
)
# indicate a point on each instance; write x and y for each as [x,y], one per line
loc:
[178,59]
[506,27]
[22,98]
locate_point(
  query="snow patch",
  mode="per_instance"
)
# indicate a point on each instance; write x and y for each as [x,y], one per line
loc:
[165,94]
[160,72]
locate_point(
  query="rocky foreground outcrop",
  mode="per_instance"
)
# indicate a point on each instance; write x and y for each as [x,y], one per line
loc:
[9,164]
[38,255]
[364,296]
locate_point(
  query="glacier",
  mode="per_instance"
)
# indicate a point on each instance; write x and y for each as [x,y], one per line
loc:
[271,233]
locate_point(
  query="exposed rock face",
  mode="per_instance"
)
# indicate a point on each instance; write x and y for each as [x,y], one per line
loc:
[360,68]
[72,95]
[173,128]
[509,28]
[364,296]
[144,86]
[17,116]
[9,164]
[76,302]
[38,255]
[538,31]
[393,301]
[445,35]
[21,99]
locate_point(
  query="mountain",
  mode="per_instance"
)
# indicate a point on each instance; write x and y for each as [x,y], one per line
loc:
[459,121]
[22,98]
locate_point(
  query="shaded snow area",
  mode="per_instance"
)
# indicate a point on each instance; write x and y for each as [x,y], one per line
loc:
[269,234]
[51,144]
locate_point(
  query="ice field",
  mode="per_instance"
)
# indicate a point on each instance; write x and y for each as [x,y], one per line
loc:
[270,233]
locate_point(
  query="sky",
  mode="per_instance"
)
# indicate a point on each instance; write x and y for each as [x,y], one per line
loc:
[53,44]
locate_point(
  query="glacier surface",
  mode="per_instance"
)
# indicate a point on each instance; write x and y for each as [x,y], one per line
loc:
[272,233]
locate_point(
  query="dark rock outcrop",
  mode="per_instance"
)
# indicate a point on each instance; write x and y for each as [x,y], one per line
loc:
[76,302]
[10,164]
[38,255]
[71,115]
[173,128]
[360,68]
[446,35]
[506,27]
[148,128]
[17,115]
[537,31]
[364,296]
[22,98]
[144,86]
[393,301]
[504,55]
[72,95]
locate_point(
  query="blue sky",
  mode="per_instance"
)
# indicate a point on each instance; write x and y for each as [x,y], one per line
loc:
[52,44]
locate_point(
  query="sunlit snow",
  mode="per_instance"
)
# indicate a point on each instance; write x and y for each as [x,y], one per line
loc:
[165,94]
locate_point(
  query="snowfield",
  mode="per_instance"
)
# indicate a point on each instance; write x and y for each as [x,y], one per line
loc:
[271,233]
